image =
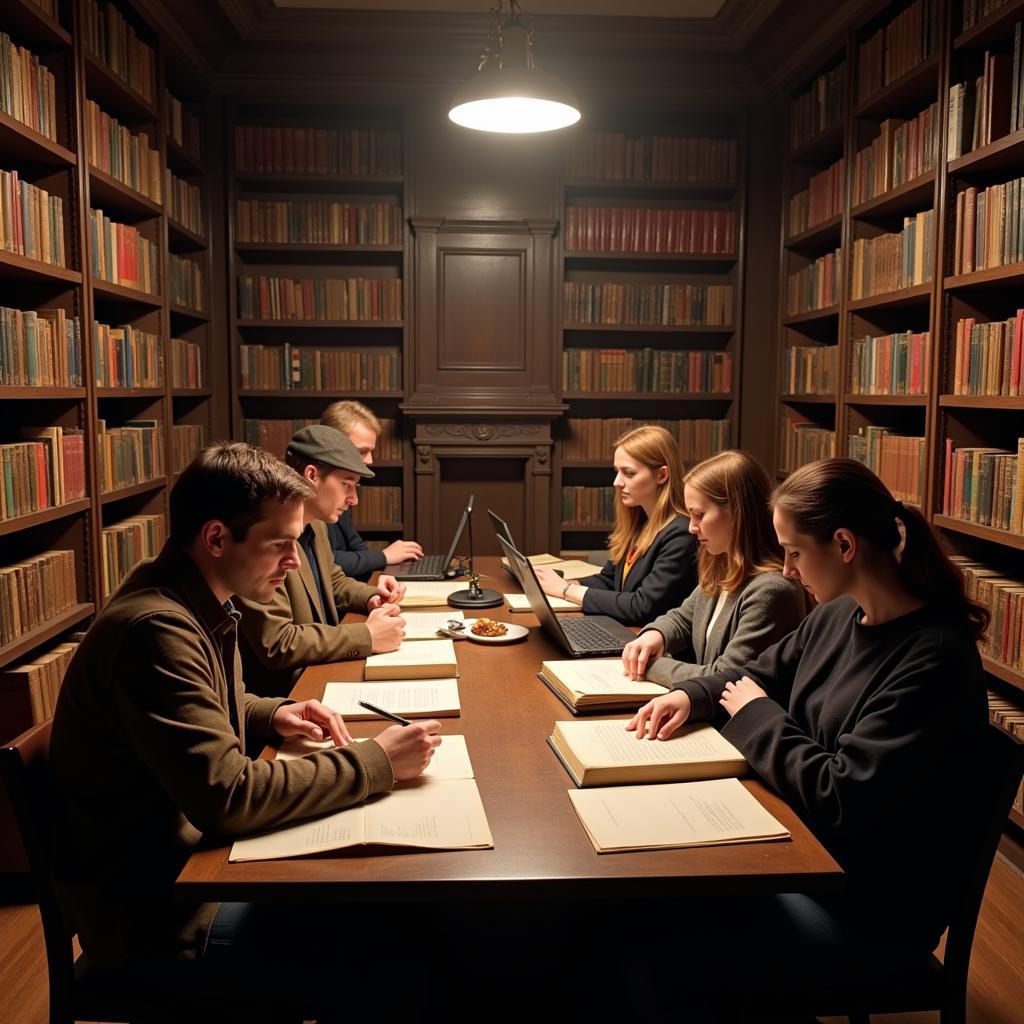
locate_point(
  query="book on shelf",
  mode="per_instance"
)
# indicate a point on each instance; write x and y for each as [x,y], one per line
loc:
[597,685]
[130,454]
[34,591]
[1003,595]
[974,11]
[989,227]
[340,298]
[803,440]
[187,441]
[126,543]
[897,47]
[39,348]
[616,156]
[810,369]
[984,485]
[107,34]
[815,286]
[410,698]
[280,149]
[274,435]
[127,357]
[988,358]
[429,659]
[122,255]
[897,460]
[28,89]
[629,229]
[185,203]
[588,506]
[188,368]
[127,156]
[893,261]
[277,367]
[318,222]
[821,200]
[818,107]
[378,505]
[904,149]
[29,688]
[31,221]
[611,370]
[659,305]
[891,364]
[1006,714]
[594,439]
[182,126]
[185,282]
[987,108]
[44,471]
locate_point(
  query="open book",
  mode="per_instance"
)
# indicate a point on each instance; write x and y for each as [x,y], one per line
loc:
[713,813]
[596,684]
[605,754]
[424,625]
[521,603]
[450,760]
[410,698]
[570,568]
[429,659]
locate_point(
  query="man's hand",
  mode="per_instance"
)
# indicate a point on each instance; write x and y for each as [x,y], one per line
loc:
[659,718]
[310,718]
[403,551]
[410,747]
[389,591]
[387,627]
[638,653]
[740,694]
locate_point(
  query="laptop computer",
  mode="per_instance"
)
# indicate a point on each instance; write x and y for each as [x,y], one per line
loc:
[593,636]
[502,530]
[436,567]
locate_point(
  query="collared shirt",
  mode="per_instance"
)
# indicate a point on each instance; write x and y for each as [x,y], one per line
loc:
[306,540]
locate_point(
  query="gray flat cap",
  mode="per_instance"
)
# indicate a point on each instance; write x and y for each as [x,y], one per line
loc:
[329,447]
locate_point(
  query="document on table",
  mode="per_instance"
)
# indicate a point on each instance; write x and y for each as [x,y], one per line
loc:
[428,594]
[450,760]
[521,603]
[424,625]
[427,659]
[410,698]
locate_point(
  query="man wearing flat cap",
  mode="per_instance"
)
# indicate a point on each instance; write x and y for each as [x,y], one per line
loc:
[300,625]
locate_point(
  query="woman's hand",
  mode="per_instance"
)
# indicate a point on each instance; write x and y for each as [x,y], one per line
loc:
[639,653]
[740,694]
[661,717]
[551,583]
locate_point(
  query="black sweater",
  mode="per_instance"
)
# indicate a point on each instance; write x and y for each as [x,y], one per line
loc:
[868,733]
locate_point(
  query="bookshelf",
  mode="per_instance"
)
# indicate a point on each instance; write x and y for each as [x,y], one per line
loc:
[651,303]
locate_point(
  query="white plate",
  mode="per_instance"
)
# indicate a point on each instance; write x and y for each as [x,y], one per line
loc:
[514,633]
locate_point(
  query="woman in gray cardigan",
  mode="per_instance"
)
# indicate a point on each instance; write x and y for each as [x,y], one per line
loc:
[742,603]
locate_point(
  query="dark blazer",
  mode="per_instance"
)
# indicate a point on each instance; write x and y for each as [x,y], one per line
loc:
[661,579]
[351,554]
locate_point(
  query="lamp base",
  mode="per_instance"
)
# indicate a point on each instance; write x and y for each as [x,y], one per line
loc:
[482,598]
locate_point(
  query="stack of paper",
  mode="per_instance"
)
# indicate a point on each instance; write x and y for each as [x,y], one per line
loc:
[410,698]
[596,684]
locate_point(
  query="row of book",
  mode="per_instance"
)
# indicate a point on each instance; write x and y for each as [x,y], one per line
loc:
[125,155]
[1009,715]
[978,10]
[898,46]
[632,229]
[280,367]
[106,33]
[989,227]
[615,156]
[818,107]
[185,282]
[820,201]
[810,369]
[588,506]
[357,152]
[125,545]
[130,454]
[122,255]
[127,357]
[903,150]
[985,485]
[801,441]
[44,471]
[378,506]
[34,591]
[31,221]
[318,222]
[274,435]
[666,305]
[988,358]
[609,371]
[339,298]
[182,126]
[896,459]
[815,286]
[893,261]
[39,348]
[1004,598]
[28,90]
[592,440]
[187,440]
[185,204]
[29,689]
[890,364]
[188,369]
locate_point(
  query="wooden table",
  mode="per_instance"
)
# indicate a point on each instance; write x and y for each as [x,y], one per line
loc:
[540,847]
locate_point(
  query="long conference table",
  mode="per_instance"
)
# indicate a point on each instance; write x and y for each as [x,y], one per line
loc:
[540,847]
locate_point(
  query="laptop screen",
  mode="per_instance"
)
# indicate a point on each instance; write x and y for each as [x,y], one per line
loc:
[457,536]
[535,594]
[503,533]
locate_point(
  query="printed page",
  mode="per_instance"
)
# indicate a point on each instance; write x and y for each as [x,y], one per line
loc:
[599,676]
[424,625]
[411,698]
[450,760]
[439,815]
[520,603]
[425,659]
[334,832]
[608,743]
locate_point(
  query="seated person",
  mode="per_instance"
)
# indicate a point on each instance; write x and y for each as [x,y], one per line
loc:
[299,625]
[351,554]
[653,564]
[154,734]
[742,603]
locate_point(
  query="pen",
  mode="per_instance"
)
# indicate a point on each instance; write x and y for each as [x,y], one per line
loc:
[397,719]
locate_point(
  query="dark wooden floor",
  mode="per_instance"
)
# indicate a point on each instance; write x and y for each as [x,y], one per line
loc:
[996,985]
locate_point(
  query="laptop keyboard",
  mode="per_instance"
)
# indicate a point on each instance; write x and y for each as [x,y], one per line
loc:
[428,565]
[588,636]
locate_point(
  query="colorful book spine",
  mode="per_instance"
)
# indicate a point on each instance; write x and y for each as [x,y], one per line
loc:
[29,688]
[274,435]
[188,368]
[609,371]
[588,506]
[379,505]
[122,255]
[27,88]
[291,367]
[44,471]
[820,201]
[109,36]
[34,591]
[631,229]
[664,305]
[187,440]
[186,283]
[1002,594]
[904,149]
[891,364]
[898,461]
[810,369]
[129,455]
[126,544]
[127,357]
[802,441]
[125,155]
[988,358]
[318,222]
[891,262]
[989,227]
[345,298]
[31,221]
[897,47]
[39,348]
[593,440]
[616,156]
[818,107]
[985,485]
[185,204]
[815,286]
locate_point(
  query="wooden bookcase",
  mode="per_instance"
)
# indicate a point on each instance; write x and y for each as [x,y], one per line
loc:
[622,166]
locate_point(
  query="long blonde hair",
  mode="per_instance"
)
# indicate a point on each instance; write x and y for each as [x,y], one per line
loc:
[737,482]
[653,447]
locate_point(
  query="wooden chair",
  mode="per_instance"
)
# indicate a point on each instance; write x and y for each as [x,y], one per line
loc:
[76,991]
[935,985]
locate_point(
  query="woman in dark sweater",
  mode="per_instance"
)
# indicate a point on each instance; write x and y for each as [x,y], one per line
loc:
[864,719]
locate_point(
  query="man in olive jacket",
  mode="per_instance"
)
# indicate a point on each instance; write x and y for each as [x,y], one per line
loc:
[154,734]
[300,624]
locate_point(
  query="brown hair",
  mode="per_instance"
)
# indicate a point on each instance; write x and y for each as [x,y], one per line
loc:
[737,482]
[345,415]
[654,447]
[825,496]
[230,481]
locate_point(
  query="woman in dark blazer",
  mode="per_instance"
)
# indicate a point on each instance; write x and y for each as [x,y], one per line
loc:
[653,564]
